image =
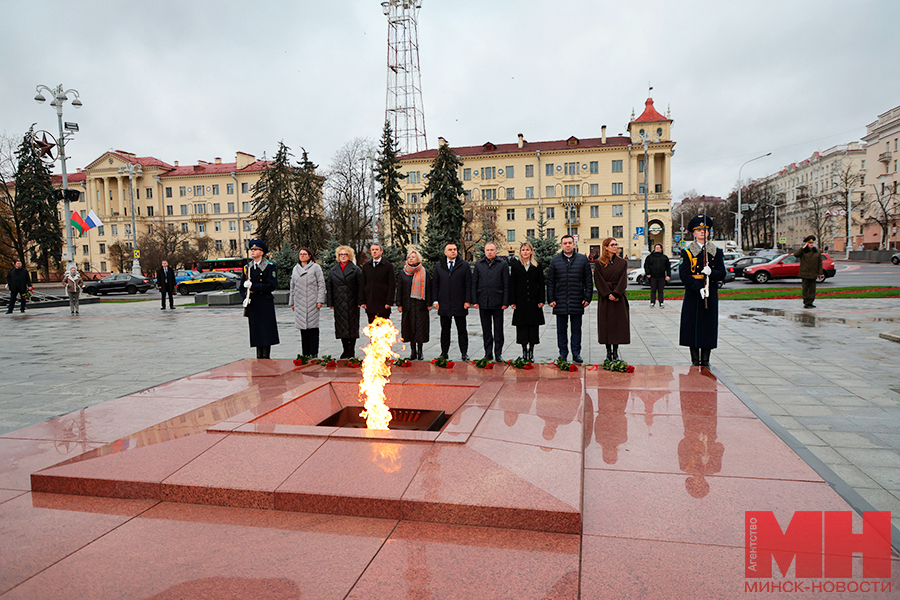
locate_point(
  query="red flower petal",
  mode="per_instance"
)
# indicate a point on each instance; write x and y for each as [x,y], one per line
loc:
[450,364]
[573,368]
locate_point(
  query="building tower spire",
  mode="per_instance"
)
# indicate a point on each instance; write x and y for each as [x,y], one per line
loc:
[403,107]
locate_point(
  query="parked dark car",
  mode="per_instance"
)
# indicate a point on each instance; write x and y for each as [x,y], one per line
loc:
[205,282]
[118,282]
[738,266]
[638,276]
[786,266]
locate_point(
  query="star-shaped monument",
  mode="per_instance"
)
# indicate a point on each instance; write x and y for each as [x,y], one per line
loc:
[44,147]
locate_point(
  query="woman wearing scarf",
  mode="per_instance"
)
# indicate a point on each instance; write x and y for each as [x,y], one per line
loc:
[343,297]
[74,284]
[414,302]
[307,296]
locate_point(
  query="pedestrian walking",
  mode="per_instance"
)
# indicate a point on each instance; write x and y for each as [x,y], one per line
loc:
[527,292]
[258,281]
[165,281]
[702,267]
[377,285]
[658,269]
[307,296]
[343,297]
[611,279]
[414,301]
[490,290]
[18,282]
[810,269]
[569,291]
[74,284]
[452,289]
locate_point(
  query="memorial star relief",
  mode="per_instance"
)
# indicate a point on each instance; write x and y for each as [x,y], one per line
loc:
[43,147]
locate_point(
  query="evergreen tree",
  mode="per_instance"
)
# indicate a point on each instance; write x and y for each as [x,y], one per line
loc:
[38,206]
[387,173]
[308,229]
[284,259]
[545,247]
[445,205]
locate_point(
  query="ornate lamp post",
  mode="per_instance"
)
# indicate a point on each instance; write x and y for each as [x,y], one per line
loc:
[133,170]
[59,98]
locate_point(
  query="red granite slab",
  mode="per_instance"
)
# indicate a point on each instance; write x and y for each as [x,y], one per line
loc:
[559,398]
[665,402]
[447,398]
[353,477]
[550,432]
[20,458]
[182,551]
[691,443]
[424,560]
[37,530]
[6,495]
[250,367]
[656,377]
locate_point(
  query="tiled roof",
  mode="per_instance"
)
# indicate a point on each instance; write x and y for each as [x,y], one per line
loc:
[72,177]
[489,149]
[650,113]
[217,168]
[144,161]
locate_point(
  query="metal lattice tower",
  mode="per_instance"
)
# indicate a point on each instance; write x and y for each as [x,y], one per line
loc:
[403,107]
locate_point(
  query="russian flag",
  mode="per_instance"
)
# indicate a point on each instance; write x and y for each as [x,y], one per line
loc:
[93,220]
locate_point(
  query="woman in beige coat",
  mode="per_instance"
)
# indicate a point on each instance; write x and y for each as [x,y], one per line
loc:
[74,284]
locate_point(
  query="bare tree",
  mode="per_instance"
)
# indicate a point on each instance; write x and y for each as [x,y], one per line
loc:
[880,206]
[348,208]
[169,242]
[12,239]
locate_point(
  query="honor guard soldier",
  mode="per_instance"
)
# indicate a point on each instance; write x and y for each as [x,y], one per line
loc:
[258,281]
[702,267]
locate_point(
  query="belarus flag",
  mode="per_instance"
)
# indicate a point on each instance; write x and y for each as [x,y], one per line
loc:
[85,224]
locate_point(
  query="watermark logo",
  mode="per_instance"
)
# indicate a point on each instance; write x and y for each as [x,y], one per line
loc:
[819,544]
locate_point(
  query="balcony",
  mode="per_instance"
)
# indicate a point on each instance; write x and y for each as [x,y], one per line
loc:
[885,157]
[571,200]
[199,218]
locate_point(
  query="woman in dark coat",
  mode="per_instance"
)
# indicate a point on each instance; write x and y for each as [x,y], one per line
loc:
[414,302]
[343,297]
[611,279]
[527,290]
[258,281]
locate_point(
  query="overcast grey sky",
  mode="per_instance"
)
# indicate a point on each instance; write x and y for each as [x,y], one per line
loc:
[194,80]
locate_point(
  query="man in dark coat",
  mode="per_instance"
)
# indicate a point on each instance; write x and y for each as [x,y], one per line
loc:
[702,267]
[452,291]
[490,290]
[658,269]
[18,281]
[377,285]
[258,281]
[810,268]
[165,281]
[570,289]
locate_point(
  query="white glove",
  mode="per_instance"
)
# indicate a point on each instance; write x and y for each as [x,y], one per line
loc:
[248,283]
[246,301]
[706,270]
[704,293]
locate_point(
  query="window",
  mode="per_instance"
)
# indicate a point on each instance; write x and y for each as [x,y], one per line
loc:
[617,166]
[595,233]
[640,165]
[617,231]
[219,245]
[489,172]
[184,228]
[182,191]
[510,235]
[529,214]
[138,194]
[595,167]
[412,198]
[200,227]
[658,187]
[232,225]
[102,266]
[573,190]
[529,233]
[510,193]
[247,226]
[170,210]
[510,214]
[571,168]
[572,231]
[414,177]
[529,170]
[551,232]
[149,193]
[115,230]
[572,213]
[414,220]
[127,230]
[217,208]
[168,192]
[229,189]
[171,227]
[529,192]
[149,229]
[595,189]
[102,248]
[550,191]
[230,207]
[184,211]
[217,226]
[551,212]
[617,210]
[467,174]
[245,187]
[489,194]
[200,209]
[215,189]
[149,211]
[232,245]
[414,238]
[245,207]
[595,212]
[510,171]
[548,169]
[641,188]
[85,249]
[100,230]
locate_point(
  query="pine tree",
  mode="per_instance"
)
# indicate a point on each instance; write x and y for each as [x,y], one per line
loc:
[445,207]
[38,206]
[387,173]
[545,247]
[308,229]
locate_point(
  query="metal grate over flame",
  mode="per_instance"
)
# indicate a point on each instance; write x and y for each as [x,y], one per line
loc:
[376,371]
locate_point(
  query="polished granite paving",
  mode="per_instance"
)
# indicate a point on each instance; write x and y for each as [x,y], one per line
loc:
[542,484]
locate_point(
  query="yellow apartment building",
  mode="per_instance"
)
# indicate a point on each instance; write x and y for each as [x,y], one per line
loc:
[882,154]
[205,200]
[591,188]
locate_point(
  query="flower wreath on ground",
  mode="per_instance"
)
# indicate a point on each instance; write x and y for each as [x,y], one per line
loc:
[483,363]
[619,366]
[520,363]
[564,365]
[326,361]
[442,362]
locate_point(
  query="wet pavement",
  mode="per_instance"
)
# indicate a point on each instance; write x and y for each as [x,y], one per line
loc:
[823,375]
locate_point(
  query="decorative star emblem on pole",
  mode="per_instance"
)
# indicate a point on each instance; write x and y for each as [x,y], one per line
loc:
[43,148]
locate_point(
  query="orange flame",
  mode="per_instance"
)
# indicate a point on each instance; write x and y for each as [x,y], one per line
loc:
[376,371]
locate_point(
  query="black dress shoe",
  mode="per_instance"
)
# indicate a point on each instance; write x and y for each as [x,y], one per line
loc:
[499,358]
[464,358]
[577,359]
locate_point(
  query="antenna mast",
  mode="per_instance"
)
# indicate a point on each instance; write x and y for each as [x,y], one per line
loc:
[403,107]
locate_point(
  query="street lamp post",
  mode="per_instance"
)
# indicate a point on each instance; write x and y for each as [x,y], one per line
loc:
[739,207]
[775,207]
[646,140]
[59,98]
[133,170]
